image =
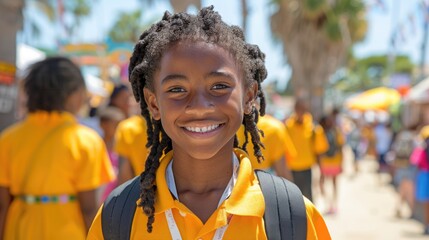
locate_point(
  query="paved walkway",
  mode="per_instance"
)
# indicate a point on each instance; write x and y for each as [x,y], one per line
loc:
[366,208]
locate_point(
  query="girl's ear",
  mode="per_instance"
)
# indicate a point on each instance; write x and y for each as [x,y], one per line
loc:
[152,104]
[250,97]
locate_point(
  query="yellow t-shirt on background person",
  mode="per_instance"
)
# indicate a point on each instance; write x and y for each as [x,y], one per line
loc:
[337,159]
[309,140]
[245,208]
[276,140]
[130,142]
[50,154]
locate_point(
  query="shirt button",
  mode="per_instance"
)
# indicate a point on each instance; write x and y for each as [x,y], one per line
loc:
[183,214]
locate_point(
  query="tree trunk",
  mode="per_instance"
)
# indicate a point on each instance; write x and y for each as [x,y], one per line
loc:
[312,55]
[10,23]
[182,5]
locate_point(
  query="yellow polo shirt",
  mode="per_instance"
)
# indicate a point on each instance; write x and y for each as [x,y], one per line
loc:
[309,141]
[276,140]
[50,154]
[130,142]
[246,206]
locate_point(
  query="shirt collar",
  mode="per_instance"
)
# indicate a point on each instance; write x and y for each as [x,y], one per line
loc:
[50,118]
[307,119]
[172,184]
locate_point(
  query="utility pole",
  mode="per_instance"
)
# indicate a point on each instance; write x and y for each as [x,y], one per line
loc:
[391,58]
[424,41]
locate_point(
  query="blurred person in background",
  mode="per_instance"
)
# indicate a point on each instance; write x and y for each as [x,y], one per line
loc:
[130,136]
[278,145]
[109,120]
[130,145]
[383,141]
[422,180]
[404,172]
[121,99]
[355,141]
[332,160]
[309,141]
[51,167]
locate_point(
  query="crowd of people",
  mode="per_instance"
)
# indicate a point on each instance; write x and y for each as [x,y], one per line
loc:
[192,151]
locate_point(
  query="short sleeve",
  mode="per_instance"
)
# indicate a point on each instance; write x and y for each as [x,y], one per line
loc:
[94,168]
[4,162]
[321,144]
[290,150]
[316,226]
[121,145]
[274,144]
[95,231]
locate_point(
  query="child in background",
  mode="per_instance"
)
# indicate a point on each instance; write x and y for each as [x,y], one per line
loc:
[51,166]
[422,180]
[196,80]
[109,120]
[404,172]
[121,99]
[331,161]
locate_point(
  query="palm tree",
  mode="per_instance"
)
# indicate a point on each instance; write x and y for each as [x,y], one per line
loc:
[182,5]
[316,36]
[128,27]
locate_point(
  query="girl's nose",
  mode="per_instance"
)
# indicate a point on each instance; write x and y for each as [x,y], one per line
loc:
[199,103]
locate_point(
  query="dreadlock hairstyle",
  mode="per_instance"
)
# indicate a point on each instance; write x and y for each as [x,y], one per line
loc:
[208,27]
[50,82]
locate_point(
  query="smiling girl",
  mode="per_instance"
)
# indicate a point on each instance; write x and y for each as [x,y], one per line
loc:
[197,80]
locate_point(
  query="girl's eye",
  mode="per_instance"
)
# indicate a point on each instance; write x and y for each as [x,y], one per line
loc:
[176,90]
[220,86]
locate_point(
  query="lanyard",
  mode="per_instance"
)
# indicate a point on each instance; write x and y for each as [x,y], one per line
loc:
[174,230]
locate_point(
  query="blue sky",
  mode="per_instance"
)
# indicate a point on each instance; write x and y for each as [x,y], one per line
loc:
[381,20]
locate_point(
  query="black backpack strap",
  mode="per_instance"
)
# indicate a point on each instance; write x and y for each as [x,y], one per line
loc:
[118,210]
[285,213]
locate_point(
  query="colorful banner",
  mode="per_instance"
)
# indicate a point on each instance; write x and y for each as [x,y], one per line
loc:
[7,73]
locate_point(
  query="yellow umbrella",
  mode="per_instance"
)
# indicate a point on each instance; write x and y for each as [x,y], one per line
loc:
[374,99]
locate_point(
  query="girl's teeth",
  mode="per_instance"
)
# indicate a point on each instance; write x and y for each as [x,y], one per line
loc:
[202,129]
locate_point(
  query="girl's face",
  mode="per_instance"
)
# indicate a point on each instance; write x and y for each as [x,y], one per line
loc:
[200,97]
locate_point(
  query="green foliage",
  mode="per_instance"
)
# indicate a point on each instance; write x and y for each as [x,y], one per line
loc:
[369,72]
[128,27]
[328,16]
[332,28]
[314,8]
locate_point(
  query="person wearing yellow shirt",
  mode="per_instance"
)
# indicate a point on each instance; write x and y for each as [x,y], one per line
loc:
[310,142]
[196,80]
[130,145]
[332,160]
[277,145]
[51,166]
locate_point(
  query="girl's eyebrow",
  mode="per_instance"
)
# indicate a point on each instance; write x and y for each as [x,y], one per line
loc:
[171,77]
[220,74]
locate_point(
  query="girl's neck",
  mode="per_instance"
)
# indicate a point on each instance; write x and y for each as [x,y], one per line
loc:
[201,176]
[200,183]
